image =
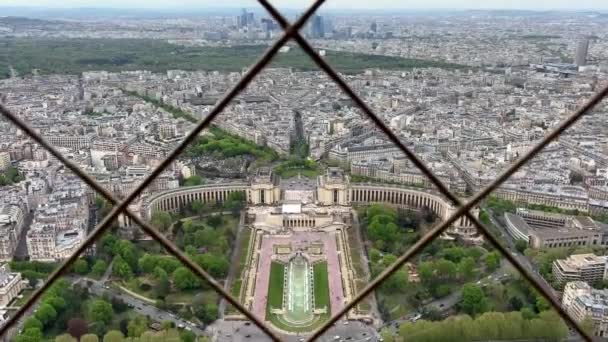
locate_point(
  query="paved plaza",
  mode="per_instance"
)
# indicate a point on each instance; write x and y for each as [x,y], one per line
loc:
[298,238]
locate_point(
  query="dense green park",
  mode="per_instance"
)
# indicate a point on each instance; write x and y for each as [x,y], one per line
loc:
[143,268]
[442,268]
[223,144]
[73,56]
[10,176]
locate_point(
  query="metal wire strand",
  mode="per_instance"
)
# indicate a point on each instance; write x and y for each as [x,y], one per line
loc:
[292,31]
[443,189]
[463,210]
[122,207]
[171,248]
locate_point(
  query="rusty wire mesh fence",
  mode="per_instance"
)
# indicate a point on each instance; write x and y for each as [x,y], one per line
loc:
[291,31]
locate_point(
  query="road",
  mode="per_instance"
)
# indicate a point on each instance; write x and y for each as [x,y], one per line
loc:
[97,288]
[235,261]
[21,250]
[522,259]
[240,331]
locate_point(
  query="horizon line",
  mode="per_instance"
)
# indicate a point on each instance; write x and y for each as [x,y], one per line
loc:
[229,7]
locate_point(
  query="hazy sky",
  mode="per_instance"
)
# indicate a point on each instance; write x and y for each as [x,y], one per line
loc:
[355,4]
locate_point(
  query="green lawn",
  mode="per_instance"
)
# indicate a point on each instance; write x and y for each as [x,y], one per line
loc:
[303,172]
[244,248]
[135,286]
[321,286]
[188,296]
[275,286]
[236,288]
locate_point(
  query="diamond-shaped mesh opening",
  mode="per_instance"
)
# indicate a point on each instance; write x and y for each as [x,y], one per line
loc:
[419,245]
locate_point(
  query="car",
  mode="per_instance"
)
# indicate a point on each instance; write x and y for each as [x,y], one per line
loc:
[247,323]
[248,336]
[348,338]
[441,305]
[337,337]
[345,322]
[301,340]
[181,326]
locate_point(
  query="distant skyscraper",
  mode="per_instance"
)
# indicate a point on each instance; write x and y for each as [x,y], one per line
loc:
[245,19]
[581,52]
[374,27]
[317,28]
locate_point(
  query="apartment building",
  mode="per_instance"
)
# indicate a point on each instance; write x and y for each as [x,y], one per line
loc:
[581,301]
[580,267]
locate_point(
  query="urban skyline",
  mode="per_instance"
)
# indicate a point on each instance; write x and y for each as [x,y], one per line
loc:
[293,199]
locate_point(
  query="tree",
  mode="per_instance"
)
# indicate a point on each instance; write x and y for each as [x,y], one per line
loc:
[542,304]
[126,250]
[29,335]
[166,325]
[445,269]
[193,181]
[521,245]
[216,265]
[515,303]
[89,338]
[113,336]
[426,272]
[80,266]
[32,322]
[198,207]
[137,326]
[187,336]
[466,268]
[473,299]
[161,220]
[207,313]
[119,305]
[453,254]
[100,311]
[77,327]
[53,300]
[65,338]
[147,263]
[99,267]
[46,314]
[374,255]
[215,220]
[475,252]
[184,279]
[527,313]
[235,202]
[492,261]
[163,286]
[396,283]
[387,335]
[121,268]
